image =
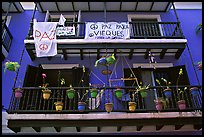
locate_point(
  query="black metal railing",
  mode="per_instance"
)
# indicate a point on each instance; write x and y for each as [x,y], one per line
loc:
[32,100]
[138,29]
[6,37]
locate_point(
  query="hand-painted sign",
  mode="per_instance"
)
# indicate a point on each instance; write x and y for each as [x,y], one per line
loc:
[109,30]
[65,31]
[44,34]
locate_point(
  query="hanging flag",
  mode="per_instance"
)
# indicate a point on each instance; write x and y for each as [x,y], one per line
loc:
[47,16]
[62,20]
[44,34]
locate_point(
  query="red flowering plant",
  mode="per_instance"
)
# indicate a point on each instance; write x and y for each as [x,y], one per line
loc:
[45,90]
[44,85]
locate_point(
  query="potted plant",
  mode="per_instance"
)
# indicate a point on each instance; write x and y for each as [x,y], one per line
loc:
[19,91]
[200,65]
[143,90]
[194,91]
[11,66]
[58,105]
[46,92]
[161,103]
[108,104]
[181,103]
[110,59]
[167,91]
[118,92]
[132,103]
[82,103]
[70,92]
[199,28]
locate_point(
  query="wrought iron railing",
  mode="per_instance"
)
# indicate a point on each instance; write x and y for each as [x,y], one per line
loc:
[153,30]
[32,100]
[6,37]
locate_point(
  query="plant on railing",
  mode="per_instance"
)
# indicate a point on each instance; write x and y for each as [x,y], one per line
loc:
[181,102]
[46,92]
[82,102]
[143,90]
[19,90]
[59,104]
[167,91]
[161,103]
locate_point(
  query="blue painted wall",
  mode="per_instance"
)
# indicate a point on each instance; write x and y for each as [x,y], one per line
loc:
[19,27]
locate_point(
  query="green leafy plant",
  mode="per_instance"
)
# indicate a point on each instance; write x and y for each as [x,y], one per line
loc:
[11,66]
[167,83]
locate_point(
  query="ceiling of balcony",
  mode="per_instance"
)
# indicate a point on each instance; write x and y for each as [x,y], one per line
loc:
[92,6]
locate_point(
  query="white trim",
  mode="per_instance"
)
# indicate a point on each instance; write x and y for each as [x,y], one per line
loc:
[8,20]
[86,41]
[59,66]
[148,65]
[188,5]
[58,16]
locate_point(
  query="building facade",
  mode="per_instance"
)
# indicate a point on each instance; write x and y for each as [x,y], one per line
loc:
[162,41]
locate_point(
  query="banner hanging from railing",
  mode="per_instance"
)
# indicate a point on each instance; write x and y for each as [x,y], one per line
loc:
[44,34]
[107,30]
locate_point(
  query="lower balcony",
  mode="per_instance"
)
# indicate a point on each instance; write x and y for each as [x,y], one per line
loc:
[34,114]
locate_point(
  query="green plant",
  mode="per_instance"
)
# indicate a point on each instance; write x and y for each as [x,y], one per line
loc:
[143,90]
[83,95]
[167,83]
[178,90]
[11,66]
[199,28]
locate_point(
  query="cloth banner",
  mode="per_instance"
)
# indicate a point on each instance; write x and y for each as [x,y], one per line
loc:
[109,30]
[44,34]
[62,20]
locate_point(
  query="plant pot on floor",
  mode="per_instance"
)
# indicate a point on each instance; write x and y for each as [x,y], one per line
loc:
[168,93]
[132,106]
[81,106]
[181,104]
[18,93]
[46,93]
[118,92]
[109,107]
[143,92]
[58,105]
[194,91]
[70,93]
[94,92]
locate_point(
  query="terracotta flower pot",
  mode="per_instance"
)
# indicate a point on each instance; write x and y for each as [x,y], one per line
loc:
[159,105]
[143,92]
[81,106]
[94,92]
[132,106]
[109,107]
[46,94]
[118,93]
[194,91]
[168,93]
[18,93]
[70,93]
[181,104]
[58,105]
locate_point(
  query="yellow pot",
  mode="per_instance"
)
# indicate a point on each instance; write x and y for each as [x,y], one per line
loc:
[58,105]
[109,107]
[132,106]
[46,94]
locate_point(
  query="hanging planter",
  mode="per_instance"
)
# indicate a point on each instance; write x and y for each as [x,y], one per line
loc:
[101,61]
[81,106]
[118,92]
[110,59]
[132,106]
[168,93]
[18,93]
[46,93]
[194,91]
[58,105]
[109,107]
[11,66]
[200,65]
[106,72]
[143,92]
[70,93]
[181,104]
[94,92]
